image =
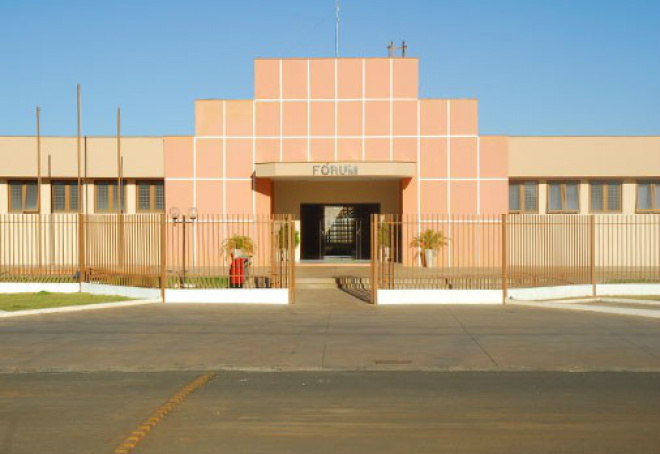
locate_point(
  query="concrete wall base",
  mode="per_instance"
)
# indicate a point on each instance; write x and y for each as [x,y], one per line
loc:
[129,292]
[420,296]
[220,296]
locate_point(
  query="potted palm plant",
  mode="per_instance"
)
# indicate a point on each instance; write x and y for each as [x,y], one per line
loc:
[283,239]
[429,241]
[385,240]
[238,245]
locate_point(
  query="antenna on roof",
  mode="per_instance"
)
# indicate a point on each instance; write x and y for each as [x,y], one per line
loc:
[391,49]
[337,29]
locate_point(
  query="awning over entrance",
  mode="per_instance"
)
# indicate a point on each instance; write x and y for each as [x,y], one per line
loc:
[335,170]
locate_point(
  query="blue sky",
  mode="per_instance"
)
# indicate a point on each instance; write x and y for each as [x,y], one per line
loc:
[551,67]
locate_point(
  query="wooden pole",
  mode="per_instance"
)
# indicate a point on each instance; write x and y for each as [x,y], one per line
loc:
[39,252]
[38,161]
[163,248]
[81,220]
[504,259]
[374,258]
[119,159]
[120,198]
[292,260]
[592,247]
[78,154]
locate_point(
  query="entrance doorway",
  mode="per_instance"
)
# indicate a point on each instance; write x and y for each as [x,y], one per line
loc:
[336,231]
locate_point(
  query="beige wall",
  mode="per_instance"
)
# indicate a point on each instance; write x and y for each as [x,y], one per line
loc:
[143,157]
[567,157]
[290,194]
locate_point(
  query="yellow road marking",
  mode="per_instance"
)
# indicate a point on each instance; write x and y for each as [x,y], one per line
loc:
[132,440]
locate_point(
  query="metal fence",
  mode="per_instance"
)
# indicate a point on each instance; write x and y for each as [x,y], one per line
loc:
[123,249]
[39,248]
[408,252]
[513,251]
[437,252]
[247,251]
[149,250]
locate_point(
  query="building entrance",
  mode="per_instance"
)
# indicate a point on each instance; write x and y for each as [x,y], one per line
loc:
[336,231]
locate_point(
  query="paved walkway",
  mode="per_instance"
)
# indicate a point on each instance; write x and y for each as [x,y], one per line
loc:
[329,330]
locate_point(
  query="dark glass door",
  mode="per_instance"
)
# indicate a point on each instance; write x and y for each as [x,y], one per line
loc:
[336,231]
[339,231]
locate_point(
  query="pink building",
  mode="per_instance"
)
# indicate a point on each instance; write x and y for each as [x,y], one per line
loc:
[331,141]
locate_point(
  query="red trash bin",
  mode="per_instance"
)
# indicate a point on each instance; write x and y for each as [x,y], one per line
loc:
[237,272]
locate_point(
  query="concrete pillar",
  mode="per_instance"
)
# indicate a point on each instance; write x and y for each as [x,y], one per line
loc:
[4,197]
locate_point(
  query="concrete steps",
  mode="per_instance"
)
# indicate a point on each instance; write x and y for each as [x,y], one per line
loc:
[315,283]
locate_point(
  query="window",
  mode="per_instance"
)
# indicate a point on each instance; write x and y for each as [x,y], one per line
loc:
[523,197]
[150,196]
[65,196]
[23,196]
[106,200]
[605,196]
[648,196]
[563,197]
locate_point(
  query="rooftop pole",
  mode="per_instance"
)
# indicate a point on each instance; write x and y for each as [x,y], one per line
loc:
[336,28]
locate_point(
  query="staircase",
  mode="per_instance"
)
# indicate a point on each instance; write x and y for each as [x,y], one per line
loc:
[316,283]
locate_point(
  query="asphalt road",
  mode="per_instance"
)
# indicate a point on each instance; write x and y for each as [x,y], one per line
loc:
[328,330]
[330,375]
[335,412]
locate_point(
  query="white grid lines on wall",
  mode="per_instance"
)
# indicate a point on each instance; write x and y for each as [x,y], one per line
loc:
[367,136]
[223,178]
[391,109]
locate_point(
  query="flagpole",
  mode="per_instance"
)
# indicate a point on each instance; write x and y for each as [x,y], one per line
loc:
[39,220]
[78,158]
[38,160]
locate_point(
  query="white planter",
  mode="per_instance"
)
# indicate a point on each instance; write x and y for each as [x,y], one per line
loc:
[429,258]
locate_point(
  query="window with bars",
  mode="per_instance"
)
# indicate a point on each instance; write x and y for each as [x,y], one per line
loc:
[563,197]
[106,200]
[150,196]
[605,196]
[64,196]
[523,197]
[23,196]
[648,196]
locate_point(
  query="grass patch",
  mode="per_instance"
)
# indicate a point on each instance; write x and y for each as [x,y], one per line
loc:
[41,300]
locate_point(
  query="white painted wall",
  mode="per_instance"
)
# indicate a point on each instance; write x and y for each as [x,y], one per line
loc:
[415,296]
[129,292]
[219,296]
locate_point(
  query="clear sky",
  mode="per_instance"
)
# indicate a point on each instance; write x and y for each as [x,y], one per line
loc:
[538,67]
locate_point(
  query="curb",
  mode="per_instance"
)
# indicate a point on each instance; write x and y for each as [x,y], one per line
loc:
[647,313]
[84,307]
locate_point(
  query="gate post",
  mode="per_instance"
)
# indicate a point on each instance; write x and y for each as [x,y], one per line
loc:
[505,288]
[374,259]
[592,255]
[292,259]
[163,247]
[81,247]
